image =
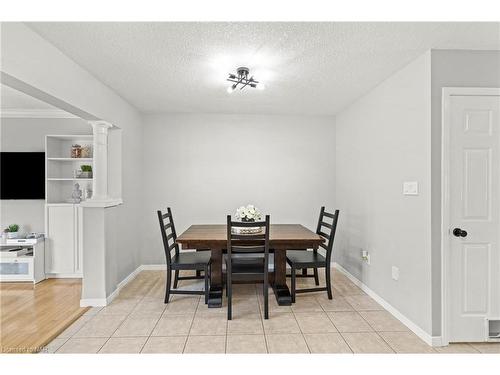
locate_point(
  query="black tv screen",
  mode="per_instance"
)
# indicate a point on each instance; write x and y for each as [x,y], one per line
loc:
[22,175]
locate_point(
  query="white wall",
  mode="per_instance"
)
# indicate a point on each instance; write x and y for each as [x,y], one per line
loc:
[205,166]
[28,135]
[451,68]
[382,140]
[41,67]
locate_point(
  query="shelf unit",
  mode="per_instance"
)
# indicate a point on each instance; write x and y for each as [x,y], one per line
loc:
[60,167]
[63,219]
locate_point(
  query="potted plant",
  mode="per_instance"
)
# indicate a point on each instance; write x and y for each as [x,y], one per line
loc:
[12,231]
[86,171]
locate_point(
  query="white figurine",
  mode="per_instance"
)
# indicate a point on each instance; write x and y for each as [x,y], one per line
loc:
[77,193]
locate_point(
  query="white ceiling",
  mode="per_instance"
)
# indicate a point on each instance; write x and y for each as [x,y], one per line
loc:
[308,68]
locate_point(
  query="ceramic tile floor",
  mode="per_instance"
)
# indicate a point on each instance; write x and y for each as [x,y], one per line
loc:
[138,321]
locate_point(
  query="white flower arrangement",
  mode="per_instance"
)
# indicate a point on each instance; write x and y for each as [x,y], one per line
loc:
[248,213]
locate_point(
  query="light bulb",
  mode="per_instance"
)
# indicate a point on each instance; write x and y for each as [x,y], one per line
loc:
[230,90]
[261,86]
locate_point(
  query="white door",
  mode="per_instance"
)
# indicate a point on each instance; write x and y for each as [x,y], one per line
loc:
[473,281]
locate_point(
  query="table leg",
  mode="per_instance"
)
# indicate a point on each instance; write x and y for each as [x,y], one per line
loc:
[215,294]
[281,290]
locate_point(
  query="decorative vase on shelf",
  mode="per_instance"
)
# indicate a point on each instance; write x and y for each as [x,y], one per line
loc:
[86,151]
[12,235]
[76,151]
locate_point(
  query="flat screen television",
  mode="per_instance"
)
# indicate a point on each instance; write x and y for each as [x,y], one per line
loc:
[22,175]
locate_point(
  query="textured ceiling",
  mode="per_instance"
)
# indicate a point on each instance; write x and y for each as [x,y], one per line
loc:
[13,99]
[308,68]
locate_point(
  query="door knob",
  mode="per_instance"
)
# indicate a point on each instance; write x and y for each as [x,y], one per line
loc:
[457,232]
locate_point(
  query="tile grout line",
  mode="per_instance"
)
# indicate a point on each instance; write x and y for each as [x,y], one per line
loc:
[362,317]
[126,316]
[108,338]
[190,326]
[158,321]
[341,335]
[262,319]
[329,318]
[301,332]
[377,332]
[367,322]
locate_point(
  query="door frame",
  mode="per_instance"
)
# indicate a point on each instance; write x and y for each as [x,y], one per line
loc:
[447,94]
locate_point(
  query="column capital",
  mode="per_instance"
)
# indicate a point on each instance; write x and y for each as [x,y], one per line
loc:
[100,125]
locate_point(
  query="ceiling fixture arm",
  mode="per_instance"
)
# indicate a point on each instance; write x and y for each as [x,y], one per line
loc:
[241,78]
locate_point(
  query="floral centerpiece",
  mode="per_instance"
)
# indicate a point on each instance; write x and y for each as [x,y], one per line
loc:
[248,213]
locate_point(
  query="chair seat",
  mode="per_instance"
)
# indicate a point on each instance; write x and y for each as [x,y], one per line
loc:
[303,258]
[191,260]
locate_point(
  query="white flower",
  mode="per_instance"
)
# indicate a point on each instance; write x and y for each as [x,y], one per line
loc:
[249,212]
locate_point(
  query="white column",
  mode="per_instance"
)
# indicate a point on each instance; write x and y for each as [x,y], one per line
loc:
[100,168]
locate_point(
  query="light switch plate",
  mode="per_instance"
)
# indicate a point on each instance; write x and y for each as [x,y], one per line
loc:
[395,273]
[410,188]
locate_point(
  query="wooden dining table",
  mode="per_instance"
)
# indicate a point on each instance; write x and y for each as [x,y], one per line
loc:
[282,237]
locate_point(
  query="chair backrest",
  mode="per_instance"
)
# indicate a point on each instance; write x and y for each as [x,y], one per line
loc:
[249,243]
[168,234]
[327,225]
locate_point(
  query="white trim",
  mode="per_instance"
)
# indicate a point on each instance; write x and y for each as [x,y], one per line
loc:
[92,302]
[430,340]
[447,93]
[129,278]
[154,267]
[35,113]
[90,203]
[106,301]
[64,275]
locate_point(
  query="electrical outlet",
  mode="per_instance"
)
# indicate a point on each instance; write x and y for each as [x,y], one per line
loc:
[395,273]
[365,255]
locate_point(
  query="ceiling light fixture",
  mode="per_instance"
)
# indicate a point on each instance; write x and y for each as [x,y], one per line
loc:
[241,80]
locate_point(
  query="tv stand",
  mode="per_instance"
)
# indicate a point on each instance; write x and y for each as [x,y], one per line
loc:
[27,265]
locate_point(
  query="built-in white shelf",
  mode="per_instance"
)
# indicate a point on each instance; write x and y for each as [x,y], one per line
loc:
[82,160]
[72,137]
[61,167]
[69,179]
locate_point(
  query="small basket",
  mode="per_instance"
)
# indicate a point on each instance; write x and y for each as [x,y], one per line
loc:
[249,230]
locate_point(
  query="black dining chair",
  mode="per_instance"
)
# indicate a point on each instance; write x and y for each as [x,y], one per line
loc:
[179,261]
[303,259]
[247,258]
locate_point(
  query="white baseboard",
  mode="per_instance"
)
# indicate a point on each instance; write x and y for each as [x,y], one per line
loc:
[92,302]
[64,275]
[430,340]
[106,301]
[153,267]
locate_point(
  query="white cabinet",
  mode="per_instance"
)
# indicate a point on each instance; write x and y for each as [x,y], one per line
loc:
[63,243]
[26,267]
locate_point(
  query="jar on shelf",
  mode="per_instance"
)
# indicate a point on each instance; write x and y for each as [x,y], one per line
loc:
[76,151]
[86,151]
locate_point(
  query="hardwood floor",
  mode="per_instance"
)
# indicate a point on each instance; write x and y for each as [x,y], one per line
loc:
[33,315]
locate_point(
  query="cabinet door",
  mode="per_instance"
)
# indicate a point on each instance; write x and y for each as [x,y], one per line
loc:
[61,237]
[79,239]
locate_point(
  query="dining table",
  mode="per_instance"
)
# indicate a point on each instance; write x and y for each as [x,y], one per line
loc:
[282,237]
